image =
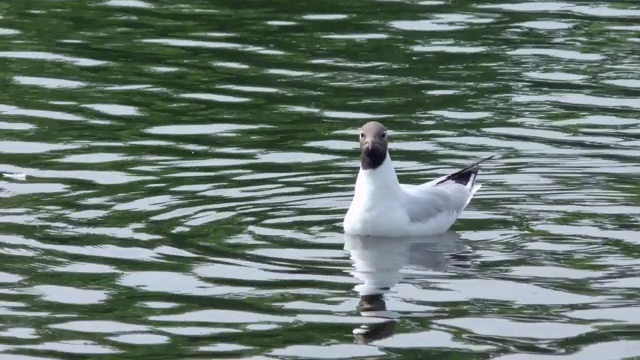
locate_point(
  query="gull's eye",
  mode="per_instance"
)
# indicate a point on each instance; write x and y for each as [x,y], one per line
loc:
[384,135]
[361,135]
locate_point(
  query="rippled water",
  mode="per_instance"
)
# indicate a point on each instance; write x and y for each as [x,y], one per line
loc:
[189,164]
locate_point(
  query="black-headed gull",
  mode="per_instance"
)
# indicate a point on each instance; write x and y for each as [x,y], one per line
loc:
[381,206]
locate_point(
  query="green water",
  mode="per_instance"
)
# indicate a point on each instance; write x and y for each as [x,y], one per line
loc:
[189,164]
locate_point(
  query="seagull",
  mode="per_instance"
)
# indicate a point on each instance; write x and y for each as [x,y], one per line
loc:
[381,206]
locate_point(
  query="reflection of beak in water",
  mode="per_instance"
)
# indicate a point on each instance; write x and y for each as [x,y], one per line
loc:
[372,332]
[377,263]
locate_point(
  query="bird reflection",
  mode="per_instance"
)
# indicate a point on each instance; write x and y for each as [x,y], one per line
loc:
[377,262]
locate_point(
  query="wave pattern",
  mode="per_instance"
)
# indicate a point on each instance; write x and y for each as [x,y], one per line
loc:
[189,165]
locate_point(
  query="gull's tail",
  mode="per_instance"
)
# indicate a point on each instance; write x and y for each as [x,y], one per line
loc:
[466,176]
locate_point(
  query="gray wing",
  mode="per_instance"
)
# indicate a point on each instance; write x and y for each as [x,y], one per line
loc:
[424,204]
[445,195]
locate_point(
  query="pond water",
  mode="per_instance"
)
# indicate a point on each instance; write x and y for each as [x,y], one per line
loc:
[189,164]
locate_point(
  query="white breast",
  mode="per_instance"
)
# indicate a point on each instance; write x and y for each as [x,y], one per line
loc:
[376,208]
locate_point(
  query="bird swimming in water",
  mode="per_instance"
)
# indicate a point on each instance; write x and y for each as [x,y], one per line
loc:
[381,206]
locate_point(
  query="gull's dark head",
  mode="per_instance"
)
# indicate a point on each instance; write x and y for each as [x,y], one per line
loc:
[373,145]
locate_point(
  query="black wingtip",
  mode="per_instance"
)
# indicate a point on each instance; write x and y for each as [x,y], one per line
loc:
[483,160]
[467,174]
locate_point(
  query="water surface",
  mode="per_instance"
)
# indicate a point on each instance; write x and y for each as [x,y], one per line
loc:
[189,164]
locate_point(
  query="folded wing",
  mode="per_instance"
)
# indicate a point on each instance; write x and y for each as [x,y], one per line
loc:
[443,199]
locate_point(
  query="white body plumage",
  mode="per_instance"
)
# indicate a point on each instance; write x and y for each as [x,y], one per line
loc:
[381,206]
